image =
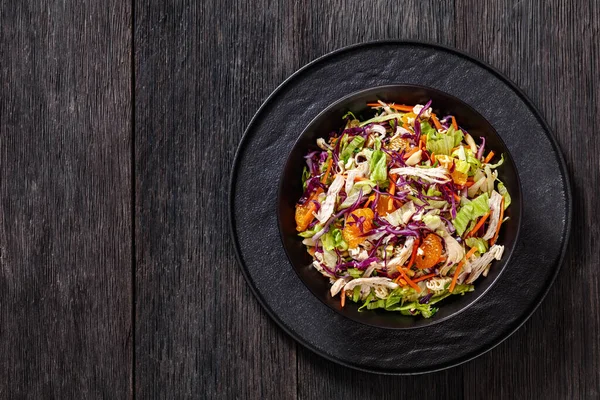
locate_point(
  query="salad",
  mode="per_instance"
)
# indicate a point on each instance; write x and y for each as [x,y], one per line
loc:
[401,210]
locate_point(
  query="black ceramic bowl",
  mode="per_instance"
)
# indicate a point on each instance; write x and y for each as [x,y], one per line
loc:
[290,190]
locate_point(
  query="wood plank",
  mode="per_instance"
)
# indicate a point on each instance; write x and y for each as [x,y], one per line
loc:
[65,205]
[202,69]
[550,49]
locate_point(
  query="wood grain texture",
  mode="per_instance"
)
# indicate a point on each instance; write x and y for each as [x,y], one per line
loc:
[550,49]
[65,200]
[202,69]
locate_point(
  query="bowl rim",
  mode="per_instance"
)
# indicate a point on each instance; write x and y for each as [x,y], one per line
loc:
[507,255]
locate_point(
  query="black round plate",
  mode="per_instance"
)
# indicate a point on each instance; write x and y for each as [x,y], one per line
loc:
[260,160]
[331,119]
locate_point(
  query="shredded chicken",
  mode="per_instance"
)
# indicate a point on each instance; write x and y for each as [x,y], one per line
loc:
[454,252]
[328,205]
[370,270]
[370,282]
[319,268]
[495,204]
[337,286]
[433,175]
[358,254]
[479,264]
[403,254]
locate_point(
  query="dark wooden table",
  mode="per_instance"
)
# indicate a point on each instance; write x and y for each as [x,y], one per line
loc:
[118,126]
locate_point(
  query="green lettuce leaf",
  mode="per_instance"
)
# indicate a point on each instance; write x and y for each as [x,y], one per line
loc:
[499,163]
[458,289]
[433,222]
[481,244]
[443,143]
[311,232]
[334,240]
[480,205]
[348,150]
[432,191]
[462,166]
[469,211]
[376,304]
[348,115]
[473,162]
[463,217]
[378,167]
[504,192]
[355,272]
[427,129]
[367,300]
[356,294]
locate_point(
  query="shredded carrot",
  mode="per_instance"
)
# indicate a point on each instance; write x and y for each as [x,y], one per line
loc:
[455,277]
[489,157]
[470,253]
[371,198]
[411,152]
[469,183]
[432,158]
[436,122]
[405,126]
[398,107]
[401,107]
[459,268]
[479,224]
[454,124]
[343,300]
[392,190]
[324,179]
[456,197]
[408,280]
[360,178]
[499,222]
[422,278]
[414,254]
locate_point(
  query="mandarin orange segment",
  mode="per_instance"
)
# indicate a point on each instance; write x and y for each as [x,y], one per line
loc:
[304,215]
[352,232]
[432,251]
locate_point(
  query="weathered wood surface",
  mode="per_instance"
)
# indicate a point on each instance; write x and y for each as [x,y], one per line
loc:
[96,302]
[65,200]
